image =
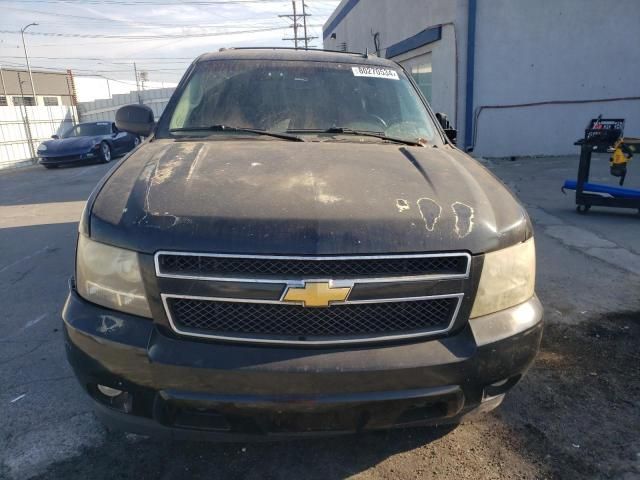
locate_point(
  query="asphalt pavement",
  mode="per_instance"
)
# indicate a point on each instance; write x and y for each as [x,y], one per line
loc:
[575,415]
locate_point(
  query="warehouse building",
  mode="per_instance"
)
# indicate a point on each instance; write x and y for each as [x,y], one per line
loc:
[52,88]
[515,77]
[27,119]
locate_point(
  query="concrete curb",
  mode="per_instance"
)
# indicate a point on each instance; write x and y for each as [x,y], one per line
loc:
[19,164]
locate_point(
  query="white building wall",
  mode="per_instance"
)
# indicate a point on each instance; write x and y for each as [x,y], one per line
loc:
[398,20]
[553,50]
[42,123]
[526,52]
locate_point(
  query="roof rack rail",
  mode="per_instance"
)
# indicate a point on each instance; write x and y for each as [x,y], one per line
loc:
[360,54]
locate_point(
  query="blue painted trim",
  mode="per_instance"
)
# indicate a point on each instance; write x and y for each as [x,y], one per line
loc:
[339,17]
[471,59]
[421,39]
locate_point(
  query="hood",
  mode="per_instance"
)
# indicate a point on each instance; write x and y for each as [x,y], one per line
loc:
[277,197]
[71,144]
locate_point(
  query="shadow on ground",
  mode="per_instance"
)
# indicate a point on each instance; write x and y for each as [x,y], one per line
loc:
[577,410]
[326,458]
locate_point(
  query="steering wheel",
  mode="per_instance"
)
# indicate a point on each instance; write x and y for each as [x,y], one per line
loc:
[380,120]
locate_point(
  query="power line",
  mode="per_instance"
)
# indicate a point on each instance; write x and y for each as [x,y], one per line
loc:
[247,23]
[14,65]
[155,2]
[168,59]
[145,37]
[128,22]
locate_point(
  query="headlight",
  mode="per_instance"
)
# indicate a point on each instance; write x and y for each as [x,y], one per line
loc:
[508,279]
[42,147]
[110,277]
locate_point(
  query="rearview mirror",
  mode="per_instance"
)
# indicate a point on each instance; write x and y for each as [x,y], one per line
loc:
[55,137]
[136,119]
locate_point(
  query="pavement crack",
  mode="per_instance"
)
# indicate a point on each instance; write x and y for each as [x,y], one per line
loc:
[25,258]
[39,380]
[24,354]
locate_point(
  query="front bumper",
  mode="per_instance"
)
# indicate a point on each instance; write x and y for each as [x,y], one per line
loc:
[68,159]
[185,388]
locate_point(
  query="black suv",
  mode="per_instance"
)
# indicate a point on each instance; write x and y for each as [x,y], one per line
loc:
[298,248]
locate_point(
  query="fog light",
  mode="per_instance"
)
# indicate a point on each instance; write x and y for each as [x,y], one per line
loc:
[500,387]
[108,391]
[500,383]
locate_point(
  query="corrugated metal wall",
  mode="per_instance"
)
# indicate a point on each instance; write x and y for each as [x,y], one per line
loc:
[105,110]
[43,122]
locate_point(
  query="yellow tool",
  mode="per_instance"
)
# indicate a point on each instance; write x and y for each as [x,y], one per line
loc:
[623,150]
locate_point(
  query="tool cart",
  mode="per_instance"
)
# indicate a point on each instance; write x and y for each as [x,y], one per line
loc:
[605,136]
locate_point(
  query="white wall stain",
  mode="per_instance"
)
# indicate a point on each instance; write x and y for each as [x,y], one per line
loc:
[165,172]
[194,164]
[317,184]
[110,323]
[147,173]
[327,199]
[464,218]
[19,397]
[402,205]
[430,211]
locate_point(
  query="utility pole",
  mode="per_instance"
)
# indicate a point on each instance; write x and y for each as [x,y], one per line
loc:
[295,25]
[304,22]
[26,57]
[135,71]
[295,18]
[4,87]
[25,117]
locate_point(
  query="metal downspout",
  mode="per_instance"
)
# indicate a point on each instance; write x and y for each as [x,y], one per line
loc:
[471,57]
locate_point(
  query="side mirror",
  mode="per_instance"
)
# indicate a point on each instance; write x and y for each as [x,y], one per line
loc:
[449,131]
[55,137]
[452,134]
[136,119]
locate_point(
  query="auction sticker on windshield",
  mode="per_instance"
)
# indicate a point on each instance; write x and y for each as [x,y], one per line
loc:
[375,72]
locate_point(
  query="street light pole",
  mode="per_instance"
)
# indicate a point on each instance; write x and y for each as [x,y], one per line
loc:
[26,57]
[4,87]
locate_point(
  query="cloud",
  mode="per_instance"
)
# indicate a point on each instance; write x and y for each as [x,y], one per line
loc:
[166,58]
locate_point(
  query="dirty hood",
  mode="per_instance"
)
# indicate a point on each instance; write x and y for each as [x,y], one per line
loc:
[277,197]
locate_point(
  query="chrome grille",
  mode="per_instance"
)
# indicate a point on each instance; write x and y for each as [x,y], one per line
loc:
[213,266]
[282,322]
[244,297]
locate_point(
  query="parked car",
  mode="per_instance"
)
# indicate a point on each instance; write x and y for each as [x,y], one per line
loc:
[298,248]
[96,141]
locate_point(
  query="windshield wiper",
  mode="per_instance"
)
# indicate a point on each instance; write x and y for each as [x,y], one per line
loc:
[362,133]
[227,128]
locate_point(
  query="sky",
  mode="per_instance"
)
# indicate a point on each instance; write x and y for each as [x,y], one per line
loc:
[99,40]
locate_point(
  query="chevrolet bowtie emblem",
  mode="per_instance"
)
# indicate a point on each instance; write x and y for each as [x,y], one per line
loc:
[316,294]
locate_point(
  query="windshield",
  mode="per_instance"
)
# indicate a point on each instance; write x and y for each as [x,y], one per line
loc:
[304,97]
[89,130]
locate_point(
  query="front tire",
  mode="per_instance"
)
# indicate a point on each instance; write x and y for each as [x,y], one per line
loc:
[105,152]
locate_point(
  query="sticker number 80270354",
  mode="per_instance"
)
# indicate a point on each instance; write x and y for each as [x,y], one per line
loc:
[375,72]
